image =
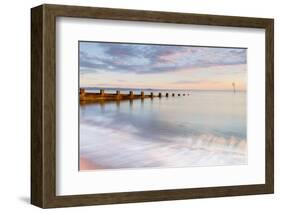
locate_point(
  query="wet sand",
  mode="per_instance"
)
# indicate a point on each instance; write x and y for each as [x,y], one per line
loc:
[87,165]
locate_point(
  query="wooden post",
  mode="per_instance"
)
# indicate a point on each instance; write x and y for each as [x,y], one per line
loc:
[118,96]
[179,94]
[183,94]
[173,94]
[142,94]
[151,95]
[167,94]
[159,95]
[102,92]
[82,92]
[131,94]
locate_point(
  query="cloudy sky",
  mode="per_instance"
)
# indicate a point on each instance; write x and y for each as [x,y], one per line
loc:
[161,66]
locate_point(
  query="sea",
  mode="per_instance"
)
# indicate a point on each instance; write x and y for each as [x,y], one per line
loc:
[202,128]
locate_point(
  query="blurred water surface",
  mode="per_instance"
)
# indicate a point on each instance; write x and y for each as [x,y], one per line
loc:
[206,128]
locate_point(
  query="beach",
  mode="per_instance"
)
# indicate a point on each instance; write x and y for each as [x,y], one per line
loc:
[85,164]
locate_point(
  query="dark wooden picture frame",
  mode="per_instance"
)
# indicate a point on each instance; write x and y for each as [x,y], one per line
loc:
[43,105]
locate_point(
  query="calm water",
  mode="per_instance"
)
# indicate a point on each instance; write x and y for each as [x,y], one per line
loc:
[207,128]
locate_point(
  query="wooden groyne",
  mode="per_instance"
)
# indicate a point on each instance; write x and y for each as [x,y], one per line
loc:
[102,96]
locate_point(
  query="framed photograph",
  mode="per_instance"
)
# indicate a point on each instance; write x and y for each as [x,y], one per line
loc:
[136,106]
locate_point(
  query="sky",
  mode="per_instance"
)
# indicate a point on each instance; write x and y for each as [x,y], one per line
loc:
[147,66]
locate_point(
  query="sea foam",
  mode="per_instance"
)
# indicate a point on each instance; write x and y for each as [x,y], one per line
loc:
[113,147]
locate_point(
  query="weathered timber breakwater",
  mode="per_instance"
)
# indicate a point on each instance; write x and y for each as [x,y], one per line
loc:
[102,96]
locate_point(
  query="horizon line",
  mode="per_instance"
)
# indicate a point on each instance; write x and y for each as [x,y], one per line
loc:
[128,88]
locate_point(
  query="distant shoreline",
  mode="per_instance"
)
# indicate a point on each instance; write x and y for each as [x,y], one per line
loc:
[150,89]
